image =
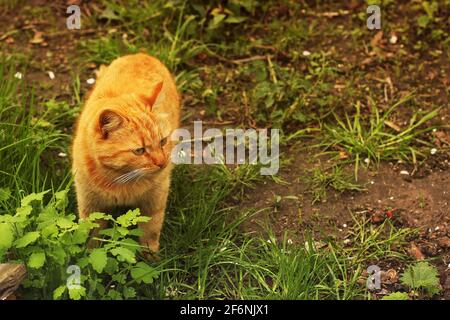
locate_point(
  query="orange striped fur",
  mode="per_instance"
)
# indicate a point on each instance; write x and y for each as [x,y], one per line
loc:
[121,150]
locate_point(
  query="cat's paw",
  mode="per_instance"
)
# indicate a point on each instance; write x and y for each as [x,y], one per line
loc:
[151,256]
[93,243]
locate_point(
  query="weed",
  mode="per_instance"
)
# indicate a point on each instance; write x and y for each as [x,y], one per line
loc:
[377,141]
[321,180]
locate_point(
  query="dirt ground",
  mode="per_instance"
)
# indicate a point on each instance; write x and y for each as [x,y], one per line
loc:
[418,200]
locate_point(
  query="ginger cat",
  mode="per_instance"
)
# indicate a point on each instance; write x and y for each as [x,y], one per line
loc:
[121,149]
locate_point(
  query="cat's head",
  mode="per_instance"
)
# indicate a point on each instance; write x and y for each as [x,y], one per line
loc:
[131,138]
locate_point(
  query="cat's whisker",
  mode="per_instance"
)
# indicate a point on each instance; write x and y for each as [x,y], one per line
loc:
[129,176]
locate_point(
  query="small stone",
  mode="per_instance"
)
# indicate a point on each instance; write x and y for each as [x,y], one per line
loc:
[393,39]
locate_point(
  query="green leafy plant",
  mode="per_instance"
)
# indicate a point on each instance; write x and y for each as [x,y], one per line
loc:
[422,276]
[49,241]
[285,98]
[396,296]
[216,15]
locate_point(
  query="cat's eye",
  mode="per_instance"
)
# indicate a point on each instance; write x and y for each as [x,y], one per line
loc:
[163,142]
[139,151]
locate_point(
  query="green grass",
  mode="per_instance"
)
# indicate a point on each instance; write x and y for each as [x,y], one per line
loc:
[374,140]
[321,180]
[29,141]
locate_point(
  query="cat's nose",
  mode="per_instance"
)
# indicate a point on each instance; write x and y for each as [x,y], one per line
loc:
[162,165]
[159,161]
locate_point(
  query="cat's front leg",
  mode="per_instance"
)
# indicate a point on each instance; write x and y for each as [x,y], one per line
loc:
[152,229]
[153,205]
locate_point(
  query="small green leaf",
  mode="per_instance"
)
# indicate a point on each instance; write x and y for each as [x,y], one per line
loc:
[423,21]
[396,296]
[64,223]
[136,232]
[99,215]
[98,259]
[6,236]
[129,218]
[24,211]
[80,236]
[215,22]
[5,194]
[33,197]
[109,14]
[422,276]
[235,19]
[77,292]
[123,231]
[61,199]
[37,260]
[129,293]
[142,272]
[83,262]
[58,292]
[112,266]
[7,218]
[124,254]
[49,231]
[27,239]
[58,254]
[114,295]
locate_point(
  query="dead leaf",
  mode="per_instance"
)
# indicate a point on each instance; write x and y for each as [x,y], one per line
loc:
[37,38]
[392,125]
[343,155]
[416,252]
[389,276]
[376,39]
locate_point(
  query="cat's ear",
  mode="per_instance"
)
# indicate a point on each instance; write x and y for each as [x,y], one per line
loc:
[155,96]
[108,122]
